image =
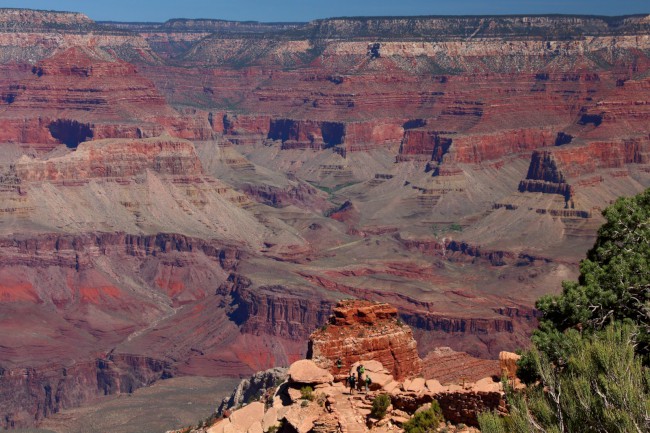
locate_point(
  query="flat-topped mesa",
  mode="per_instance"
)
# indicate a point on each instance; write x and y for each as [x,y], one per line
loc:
[115,158]
[364,331]
[485,26]
[15,19]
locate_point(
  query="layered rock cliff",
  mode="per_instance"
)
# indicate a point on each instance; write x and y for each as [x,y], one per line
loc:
[311,399]
[455,167]
[360,331]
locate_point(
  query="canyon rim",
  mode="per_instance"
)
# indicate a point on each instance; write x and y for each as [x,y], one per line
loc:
[192,198]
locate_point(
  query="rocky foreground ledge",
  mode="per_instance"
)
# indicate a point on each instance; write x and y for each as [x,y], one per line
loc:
[313,396]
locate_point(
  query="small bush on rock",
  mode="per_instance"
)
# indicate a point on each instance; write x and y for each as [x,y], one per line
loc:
[380,406]
[425,421]
[307,393]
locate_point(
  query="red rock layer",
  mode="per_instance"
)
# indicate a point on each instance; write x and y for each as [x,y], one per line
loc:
[487,147]
[82,298]
[271,311]
[581,160]
[464,251]
[451,367]
[557,170]
[360,331]
[109,95]
[116,158]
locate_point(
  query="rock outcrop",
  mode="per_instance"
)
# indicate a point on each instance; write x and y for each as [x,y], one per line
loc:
[115,158]
[252,388]
[510,134]
[31,394]
[360,331]
[307,372]
[331,408]
[450,367]
[309,400]
[508,364]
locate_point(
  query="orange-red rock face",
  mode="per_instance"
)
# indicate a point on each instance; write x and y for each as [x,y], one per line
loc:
[363,331]
[116,158]
[458,175]
[108,95]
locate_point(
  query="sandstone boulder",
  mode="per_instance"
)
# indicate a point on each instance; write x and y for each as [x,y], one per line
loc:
[379,376]
[371,365]
[270,419]
[434,386]
[425,407]
[416,385]
[391,386]
[307,372]
[508,364]
[486,385]
[294,394]
[326,424]
[224,426]
[255,428]
[379,380]
[302,418]
[248,415]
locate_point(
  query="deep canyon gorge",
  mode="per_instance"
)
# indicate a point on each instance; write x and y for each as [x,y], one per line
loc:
[192,198]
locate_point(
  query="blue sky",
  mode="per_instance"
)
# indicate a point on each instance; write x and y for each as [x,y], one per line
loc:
[305,10]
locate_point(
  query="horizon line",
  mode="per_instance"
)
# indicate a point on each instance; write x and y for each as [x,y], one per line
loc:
[351,17]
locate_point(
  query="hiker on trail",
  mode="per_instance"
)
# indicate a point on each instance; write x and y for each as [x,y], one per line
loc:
[339,363]
[368,382]
[360,380]
[351,381]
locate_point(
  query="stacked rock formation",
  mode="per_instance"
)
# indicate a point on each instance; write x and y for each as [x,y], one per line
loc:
[310,400]
[362,331]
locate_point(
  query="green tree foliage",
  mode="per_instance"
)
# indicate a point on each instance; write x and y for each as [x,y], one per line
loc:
[614,282]
[603,387]
[307,393]
[380,406]
[425,421]
[588,370]
[527,370]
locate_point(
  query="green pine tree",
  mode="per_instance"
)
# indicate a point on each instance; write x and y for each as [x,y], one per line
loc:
[614,282]
[588,369]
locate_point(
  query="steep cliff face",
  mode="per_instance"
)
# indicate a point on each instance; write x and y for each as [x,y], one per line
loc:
[475,149]
[93,87]
[115,158]
[84,296]
[360,331]
[553,171]
[455,167]
[78,250]
[31,394]
[484,27]
[273,312]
